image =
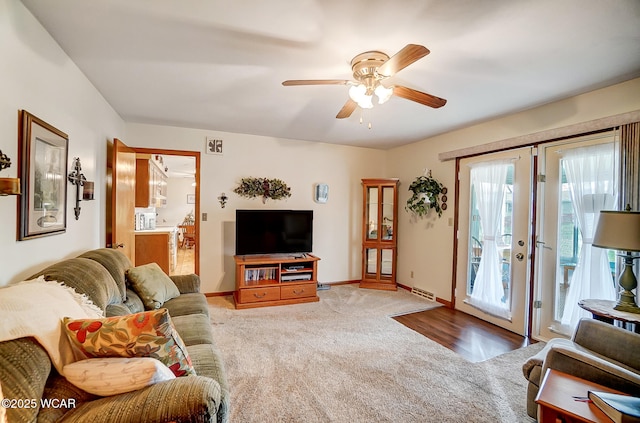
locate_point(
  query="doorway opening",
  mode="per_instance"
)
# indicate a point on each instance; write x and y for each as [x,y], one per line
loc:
[179,210]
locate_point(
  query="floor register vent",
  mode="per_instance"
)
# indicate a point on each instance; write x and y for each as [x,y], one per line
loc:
[422,293]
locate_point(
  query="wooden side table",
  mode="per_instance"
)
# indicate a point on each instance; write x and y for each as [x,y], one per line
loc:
[557,400]
[603,310]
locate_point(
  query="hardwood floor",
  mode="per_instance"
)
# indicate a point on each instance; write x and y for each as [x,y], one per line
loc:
[472,338]
[185,264]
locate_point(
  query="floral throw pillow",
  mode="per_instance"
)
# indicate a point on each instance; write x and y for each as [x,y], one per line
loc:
[145,334]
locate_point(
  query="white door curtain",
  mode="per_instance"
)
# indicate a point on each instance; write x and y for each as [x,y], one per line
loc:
[488,180]
[592,179]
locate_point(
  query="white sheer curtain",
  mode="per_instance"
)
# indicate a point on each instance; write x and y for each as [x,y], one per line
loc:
[591,176]
[489,183]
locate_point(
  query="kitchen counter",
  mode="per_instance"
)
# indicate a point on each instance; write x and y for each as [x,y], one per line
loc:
[159,246]
[158,229]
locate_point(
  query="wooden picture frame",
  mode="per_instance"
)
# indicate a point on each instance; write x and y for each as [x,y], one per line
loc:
[43,178]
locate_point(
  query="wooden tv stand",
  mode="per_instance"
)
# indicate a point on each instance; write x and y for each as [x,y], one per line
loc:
[270,280]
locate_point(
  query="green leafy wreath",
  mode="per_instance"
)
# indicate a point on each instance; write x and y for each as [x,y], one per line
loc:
[274,189]
[428,194]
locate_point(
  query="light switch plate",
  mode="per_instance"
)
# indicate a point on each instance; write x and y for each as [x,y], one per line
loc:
[204,217]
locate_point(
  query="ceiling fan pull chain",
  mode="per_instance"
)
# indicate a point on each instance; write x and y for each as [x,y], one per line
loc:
[362,112]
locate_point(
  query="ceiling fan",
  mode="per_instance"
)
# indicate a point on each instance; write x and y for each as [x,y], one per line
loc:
[369,70]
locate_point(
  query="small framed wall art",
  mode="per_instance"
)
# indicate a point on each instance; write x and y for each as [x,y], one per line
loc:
[321,193]
[213,146]
[43,177]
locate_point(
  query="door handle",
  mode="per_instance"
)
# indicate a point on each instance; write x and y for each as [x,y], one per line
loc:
[121,245]
[519,256]
[541,243]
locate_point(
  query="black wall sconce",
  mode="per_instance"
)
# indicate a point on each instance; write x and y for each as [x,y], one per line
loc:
[223,200]
[78,179]
[8,186]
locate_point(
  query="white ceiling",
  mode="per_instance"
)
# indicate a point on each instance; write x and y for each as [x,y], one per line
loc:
[179,166]
[219,64]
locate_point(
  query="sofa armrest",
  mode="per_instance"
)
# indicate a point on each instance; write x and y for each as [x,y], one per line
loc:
[536,361]
[593,367]
[609,341]
[187,284]
[532,362]
[184,399]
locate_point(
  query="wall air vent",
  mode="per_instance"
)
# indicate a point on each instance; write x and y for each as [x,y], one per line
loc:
[422,293]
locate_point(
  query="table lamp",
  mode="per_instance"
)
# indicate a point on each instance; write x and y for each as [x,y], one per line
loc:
[620,230]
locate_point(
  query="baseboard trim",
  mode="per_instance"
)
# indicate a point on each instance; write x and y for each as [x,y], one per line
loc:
[405,287]
[218,294]
[342,282]
[447,304]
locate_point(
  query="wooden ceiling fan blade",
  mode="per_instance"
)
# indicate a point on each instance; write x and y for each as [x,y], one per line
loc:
[419,96]
[294,82]
[347,109]
[409,54]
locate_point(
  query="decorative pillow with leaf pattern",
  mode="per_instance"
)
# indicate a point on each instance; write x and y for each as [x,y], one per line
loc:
[145,334]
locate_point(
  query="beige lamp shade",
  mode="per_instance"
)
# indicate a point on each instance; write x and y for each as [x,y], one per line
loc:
[618,230]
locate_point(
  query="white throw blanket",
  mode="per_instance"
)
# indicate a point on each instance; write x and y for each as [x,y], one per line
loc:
[36,308]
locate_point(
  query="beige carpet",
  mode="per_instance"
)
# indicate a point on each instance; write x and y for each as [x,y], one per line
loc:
[345,360]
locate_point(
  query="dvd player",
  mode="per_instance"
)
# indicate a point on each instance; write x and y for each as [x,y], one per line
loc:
[296,277]
[293,267]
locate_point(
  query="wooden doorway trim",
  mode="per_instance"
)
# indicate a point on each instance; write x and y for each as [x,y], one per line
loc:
[196,155]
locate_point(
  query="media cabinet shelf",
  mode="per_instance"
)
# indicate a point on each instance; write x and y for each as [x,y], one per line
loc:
[270,280]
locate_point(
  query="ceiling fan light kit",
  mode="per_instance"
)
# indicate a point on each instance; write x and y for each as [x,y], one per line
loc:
[369,70]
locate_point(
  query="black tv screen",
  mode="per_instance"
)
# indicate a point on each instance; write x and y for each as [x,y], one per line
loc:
[274,231]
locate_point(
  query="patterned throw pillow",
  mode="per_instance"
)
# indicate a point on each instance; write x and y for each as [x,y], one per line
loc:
[145,334]
[116,375]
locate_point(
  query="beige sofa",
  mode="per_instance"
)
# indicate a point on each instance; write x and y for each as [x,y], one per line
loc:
[598,352]
[26,372]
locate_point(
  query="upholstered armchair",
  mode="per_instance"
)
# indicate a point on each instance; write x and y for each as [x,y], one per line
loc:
[598,352]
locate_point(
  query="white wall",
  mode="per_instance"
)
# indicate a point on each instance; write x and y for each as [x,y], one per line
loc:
[177,206]
[425,246]
[337,231]
[36,75]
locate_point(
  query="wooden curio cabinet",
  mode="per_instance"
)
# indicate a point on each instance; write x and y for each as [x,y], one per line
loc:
[379,233]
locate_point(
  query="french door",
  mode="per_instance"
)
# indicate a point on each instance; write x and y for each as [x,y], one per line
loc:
[564,229]
[494,232]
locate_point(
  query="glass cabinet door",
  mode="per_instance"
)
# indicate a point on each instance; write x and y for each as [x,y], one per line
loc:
[388,208]
[371,265]
[386,263]
[372,212]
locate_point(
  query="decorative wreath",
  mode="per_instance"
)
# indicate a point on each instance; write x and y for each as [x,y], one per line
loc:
[274,189]
[428,194]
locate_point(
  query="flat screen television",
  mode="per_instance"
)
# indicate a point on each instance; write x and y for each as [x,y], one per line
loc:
[274,232]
